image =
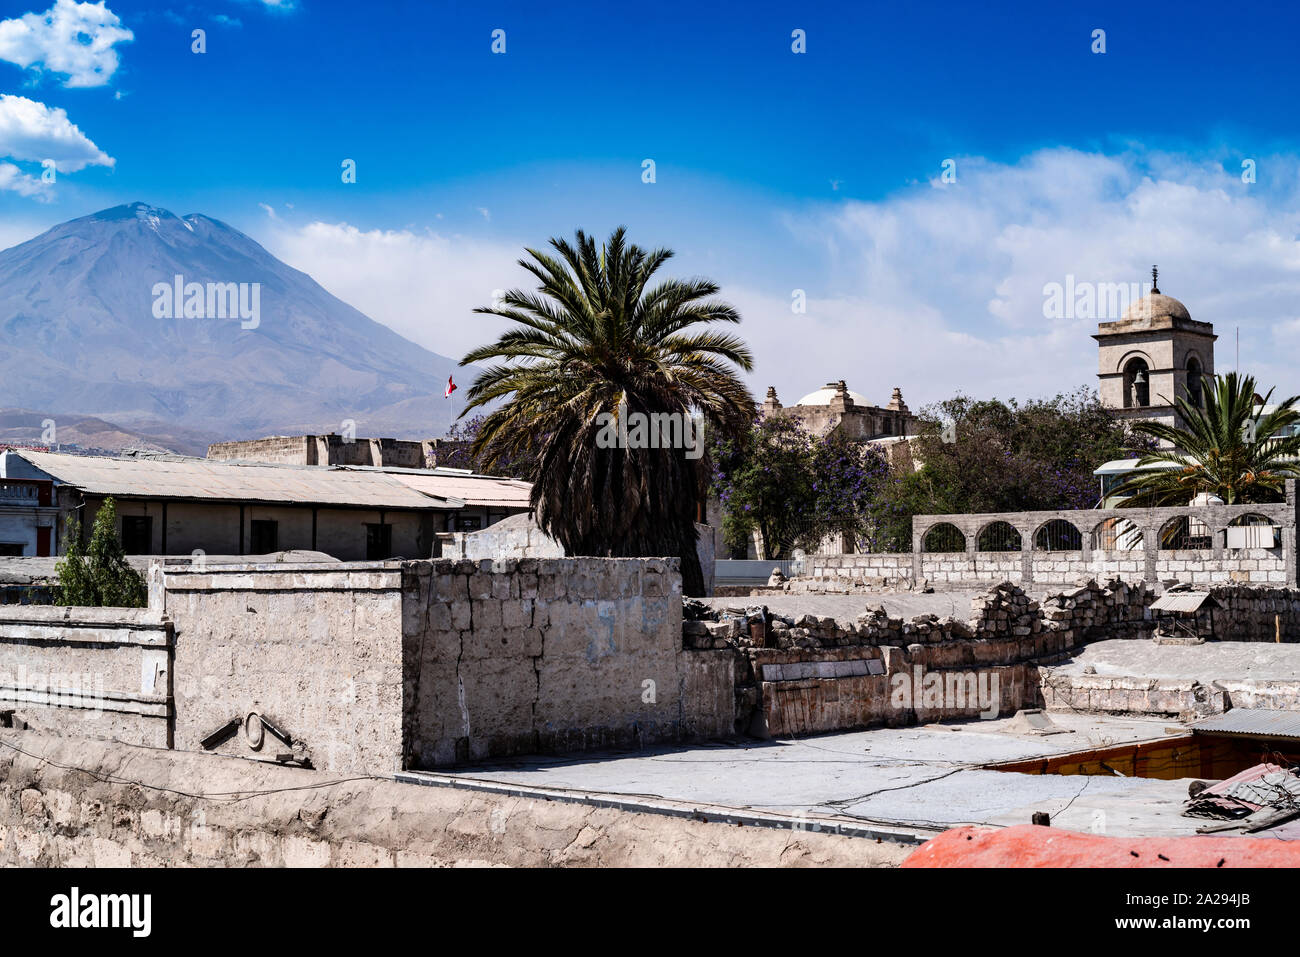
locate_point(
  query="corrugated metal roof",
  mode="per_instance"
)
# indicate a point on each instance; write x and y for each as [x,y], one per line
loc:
[207,480]
[1263,722]
[1119,466]
[472,489]
[1184,601]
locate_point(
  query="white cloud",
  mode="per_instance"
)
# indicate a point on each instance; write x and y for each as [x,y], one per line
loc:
[75,39]
[24,184]
[940,287]
[278,6]
[936,289]
[33,131]
[424,286]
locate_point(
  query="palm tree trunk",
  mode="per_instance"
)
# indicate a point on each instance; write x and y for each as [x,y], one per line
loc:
[692,572]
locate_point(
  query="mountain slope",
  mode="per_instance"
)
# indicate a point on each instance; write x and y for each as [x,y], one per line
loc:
[78,332]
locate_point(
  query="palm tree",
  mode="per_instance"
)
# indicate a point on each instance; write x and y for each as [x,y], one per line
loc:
[593,343]
[1223,450]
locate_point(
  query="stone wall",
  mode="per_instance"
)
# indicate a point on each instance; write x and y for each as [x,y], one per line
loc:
[374,667]
[314,649]
[69,802]
[99,672]
[1251,613]
[537,655]
[286,449]
[519,536]
[815,674]
[1173,698]
[332,449]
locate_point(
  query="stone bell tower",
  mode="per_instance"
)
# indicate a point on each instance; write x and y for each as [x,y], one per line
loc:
[1154,353]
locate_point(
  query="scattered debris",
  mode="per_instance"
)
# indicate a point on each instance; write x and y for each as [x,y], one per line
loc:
[1255,799]
[1033,721]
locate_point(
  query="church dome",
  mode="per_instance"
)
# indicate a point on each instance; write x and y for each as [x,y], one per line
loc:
[827,392]
[1157,306]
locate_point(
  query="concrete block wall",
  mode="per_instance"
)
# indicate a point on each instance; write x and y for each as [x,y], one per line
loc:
[521,656]
[828,574]
[980,567]
[850,574]
[1151,562]
[315,649]
[94,672]
[1258,566]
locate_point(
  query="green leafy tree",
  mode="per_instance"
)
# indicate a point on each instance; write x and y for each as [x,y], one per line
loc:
[1222,448]
[993,456]
[98,574]
[796,489]
[764,481]
[598,340]
[462,455]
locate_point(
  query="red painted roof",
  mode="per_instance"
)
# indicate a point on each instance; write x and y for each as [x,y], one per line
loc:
[1027,845]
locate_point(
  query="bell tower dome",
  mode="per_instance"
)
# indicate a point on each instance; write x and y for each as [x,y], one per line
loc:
[1153,354]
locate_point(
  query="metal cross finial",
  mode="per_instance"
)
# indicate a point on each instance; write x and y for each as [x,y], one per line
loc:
[1154,274]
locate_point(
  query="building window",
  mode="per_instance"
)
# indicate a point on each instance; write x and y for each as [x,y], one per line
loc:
[379,542]
[1194,382]
[468,523]
[1137,384]
[137,534]
[11,549]
[264,536]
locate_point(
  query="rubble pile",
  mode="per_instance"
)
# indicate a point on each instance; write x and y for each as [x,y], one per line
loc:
[1091,612]
[1004,612]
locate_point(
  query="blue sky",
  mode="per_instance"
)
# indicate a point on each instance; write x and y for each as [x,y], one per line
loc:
[775,171]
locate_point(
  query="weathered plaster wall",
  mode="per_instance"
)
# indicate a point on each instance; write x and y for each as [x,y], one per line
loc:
[113,813]
[100,672]
[214,527]
[520,537]
[515,537]
[316,649]
[515,656]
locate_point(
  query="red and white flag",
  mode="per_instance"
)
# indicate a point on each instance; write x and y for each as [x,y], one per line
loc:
[451,387]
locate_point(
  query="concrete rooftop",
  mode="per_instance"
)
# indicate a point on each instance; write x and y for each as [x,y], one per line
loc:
[1212,661]
[914,780]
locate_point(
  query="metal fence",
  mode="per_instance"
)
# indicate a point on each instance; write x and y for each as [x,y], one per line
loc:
[754,571]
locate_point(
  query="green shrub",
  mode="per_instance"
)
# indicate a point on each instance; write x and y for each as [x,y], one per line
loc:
[98,574]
